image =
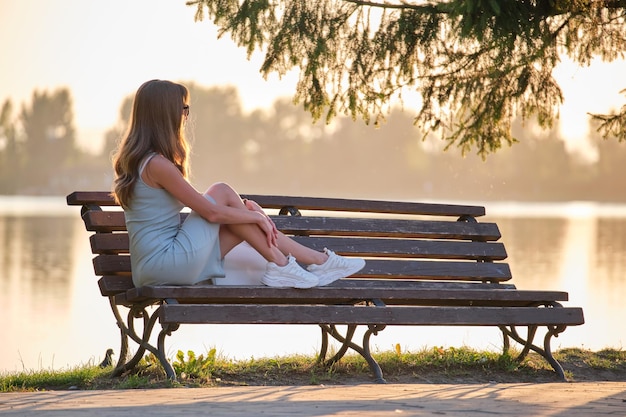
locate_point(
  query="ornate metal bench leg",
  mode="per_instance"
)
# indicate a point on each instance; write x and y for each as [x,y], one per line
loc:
[121,362]
[506,342]
[166,331]
[374,366]
[364,350]
[123,353]
[346,342]
[134,312]
[532,330]
[546,352]
[324,345]
[149,321]
[127,330]
[553,331]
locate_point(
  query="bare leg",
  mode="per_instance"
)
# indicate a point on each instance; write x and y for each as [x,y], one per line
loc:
[231,235]
[323,269]
[302,253]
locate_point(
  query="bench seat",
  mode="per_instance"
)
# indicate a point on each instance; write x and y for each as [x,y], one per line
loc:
[365,315]
[346,293]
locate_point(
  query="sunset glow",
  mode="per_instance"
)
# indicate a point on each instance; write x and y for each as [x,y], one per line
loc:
[103,51]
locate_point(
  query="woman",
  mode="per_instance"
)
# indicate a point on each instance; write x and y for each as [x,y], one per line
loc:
[151,185]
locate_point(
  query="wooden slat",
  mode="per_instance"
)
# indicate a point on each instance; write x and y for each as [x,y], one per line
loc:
[196,294]
[99,198]
[112,285]
[361,315]
[399,228]
[111,243]
[103,198]
[117,243]
[340,294]
[374,268]
[443,270]
[377,283]
[104,221]
[374,206]
[111,265]
[382,247]
[110,221]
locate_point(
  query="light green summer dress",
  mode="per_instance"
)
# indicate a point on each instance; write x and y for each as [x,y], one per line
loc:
[163,250]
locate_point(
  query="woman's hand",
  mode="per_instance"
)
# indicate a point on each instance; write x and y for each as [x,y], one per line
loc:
[268,227]
[254,206]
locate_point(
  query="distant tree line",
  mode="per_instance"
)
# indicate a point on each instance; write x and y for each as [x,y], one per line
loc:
[38,145]
[280,150]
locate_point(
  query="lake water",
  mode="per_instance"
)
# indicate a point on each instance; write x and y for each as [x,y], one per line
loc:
[53,316]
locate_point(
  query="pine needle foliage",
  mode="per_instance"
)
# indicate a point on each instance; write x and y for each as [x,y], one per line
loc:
[474,64]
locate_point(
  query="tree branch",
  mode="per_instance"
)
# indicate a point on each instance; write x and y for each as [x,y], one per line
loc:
[402,5]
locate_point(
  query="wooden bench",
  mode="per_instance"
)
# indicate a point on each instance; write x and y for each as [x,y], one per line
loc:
[427,264]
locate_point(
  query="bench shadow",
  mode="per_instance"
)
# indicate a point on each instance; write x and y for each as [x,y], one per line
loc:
[362,400]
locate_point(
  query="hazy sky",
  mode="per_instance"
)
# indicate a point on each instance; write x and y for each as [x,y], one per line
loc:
[103,51]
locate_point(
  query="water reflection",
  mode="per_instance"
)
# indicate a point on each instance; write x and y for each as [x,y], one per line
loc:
[35,268]
[55,317]
[581,254]
[533,246]
[611,234]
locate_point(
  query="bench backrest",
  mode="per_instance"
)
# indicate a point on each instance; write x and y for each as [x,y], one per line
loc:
[401,240]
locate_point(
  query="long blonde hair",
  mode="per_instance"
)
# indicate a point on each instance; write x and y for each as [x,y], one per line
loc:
[156,125]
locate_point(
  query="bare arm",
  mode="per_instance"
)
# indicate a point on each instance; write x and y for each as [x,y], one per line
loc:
[162,173]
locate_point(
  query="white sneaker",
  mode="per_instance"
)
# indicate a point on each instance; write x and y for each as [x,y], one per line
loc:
[291,275]
[335,267]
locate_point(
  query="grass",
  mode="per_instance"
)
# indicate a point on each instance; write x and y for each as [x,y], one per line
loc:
[430,365]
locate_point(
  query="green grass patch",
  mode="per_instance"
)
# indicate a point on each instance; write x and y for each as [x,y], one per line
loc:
[82,376]
[429,365]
